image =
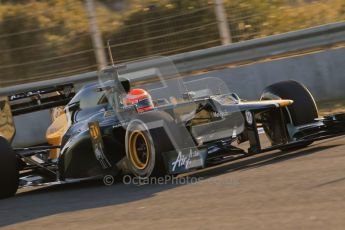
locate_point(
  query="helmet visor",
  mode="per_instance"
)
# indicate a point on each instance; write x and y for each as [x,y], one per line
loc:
[144,103]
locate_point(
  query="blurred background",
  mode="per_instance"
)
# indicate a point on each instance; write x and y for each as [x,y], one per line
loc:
[49,39]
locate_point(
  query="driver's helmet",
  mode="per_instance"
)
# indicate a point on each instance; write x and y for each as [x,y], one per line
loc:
[140,98]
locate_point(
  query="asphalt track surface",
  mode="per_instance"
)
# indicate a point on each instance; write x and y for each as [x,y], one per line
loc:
[302,189]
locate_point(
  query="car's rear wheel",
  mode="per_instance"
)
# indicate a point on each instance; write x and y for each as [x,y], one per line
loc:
[9,174]
[302,111]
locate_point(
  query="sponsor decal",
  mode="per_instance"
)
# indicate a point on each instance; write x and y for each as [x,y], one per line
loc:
[249,117]
[187,161]
[98,145]
[120,124]
[220,114]
[94,131]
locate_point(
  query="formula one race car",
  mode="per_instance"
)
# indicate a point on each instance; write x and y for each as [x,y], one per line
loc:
[149,122]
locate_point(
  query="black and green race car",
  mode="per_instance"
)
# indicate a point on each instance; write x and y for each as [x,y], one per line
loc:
[194,124]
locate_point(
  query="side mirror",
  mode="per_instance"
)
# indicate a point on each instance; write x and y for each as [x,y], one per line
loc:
[161,101]
[188,95]
[74,106]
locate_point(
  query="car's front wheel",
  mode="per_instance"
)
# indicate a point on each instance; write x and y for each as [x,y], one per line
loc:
[145,145]
[303,109]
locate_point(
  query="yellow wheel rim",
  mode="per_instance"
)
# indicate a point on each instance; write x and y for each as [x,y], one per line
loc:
[139,149]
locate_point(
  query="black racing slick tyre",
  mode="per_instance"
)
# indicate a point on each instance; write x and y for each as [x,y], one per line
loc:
[9,174]
[303,109]
[146,140]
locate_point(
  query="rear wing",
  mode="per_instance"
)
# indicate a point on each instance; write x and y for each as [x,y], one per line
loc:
[40,99]
[30,101]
